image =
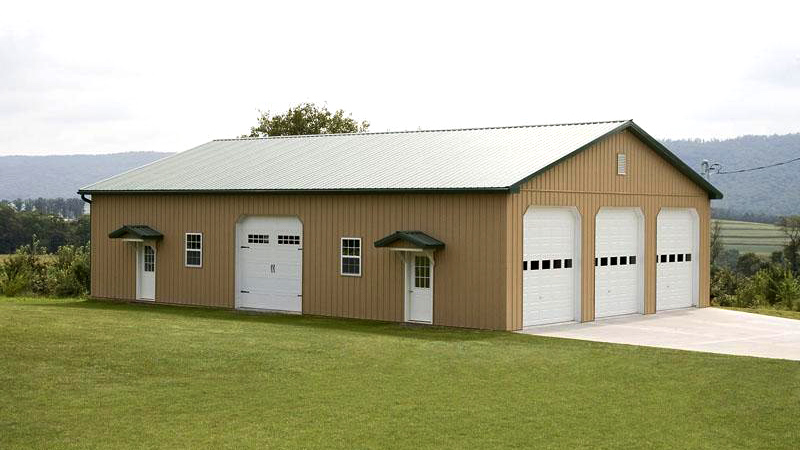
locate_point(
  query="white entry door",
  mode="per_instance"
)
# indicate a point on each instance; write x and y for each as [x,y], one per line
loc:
[146,272]
[269,263]
[419,279]
[676,261]
[550,272]
[618,274]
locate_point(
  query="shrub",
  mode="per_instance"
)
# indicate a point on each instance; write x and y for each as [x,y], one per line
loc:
[25,271]
[787,293]
[724,284]
[11,286]
[752,291]
[29,271]
[69,273]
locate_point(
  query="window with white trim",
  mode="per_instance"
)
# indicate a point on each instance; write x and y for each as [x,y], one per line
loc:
[351,256]
[621,164]
[194,250]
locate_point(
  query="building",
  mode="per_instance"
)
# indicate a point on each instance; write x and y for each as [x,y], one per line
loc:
[495,228]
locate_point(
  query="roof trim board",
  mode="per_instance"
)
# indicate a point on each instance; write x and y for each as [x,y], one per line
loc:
[302,191]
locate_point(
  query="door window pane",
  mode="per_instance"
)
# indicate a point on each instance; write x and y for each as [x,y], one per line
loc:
[422,272]
[149,259]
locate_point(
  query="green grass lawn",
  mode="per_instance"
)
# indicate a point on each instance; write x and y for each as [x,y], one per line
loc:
[88,374]
[768,312]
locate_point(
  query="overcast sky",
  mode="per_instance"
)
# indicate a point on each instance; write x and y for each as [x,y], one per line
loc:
[139,76]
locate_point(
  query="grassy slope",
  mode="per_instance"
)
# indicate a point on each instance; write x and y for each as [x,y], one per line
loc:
[759,238]
[94,374]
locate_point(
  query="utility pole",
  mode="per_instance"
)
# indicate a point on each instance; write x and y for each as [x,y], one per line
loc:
[707,168]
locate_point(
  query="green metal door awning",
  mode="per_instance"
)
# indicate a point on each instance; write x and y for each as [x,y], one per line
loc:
[416,238]
[136,233]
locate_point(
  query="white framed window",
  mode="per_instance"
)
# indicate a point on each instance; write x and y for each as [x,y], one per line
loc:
[351,256]
[621,164]
[193,250]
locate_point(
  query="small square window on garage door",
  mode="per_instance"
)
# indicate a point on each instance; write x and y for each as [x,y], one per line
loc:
[288,239]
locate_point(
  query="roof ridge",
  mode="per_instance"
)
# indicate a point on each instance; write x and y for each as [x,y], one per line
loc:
[367,133]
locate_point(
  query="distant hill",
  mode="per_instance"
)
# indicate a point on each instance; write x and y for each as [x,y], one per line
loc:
[774,191]
[61,176]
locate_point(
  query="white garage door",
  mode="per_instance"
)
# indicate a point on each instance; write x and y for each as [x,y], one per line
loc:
[676,260]
[269,263]
[550,268]
[618,283]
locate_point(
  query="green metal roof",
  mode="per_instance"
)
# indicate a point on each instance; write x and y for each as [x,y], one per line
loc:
[471,159]
[417,238]
[140,231]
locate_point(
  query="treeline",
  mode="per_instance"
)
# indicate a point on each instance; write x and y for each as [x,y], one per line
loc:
[731,214]
[69,208]
[22,227]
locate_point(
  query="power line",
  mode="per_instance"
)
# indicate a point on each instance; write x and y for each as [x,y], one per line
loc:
[720,172]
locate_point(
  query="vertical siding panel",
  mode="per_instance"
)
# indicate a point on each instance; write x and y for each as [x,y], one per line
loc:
[116,256]
[463,233]
[344,231]
[174,210]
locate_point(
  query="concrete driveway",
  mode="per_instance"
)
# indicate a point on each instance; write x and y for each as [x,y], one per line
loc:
[710,330]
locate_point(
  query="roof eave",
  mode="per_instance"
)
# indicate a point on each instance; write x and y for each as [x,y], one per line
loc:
[297,191]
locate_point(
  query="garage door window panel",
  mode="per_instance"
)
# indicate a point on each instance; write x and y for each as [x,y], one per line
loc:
[285,239]
[258,239]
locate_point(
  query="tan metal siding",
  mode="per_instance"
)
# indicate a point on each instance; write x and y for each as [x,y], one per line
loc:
[478,276]
[469,281]
[589,181]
